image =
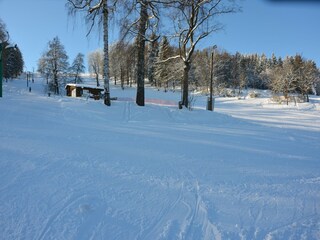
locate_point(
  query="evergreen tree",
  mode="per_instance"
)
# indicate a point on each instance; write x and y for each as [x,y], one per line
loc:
[237,74]
[3,32]
[77,67]
[273,61]
[152,55]
[202,62]
[12,62]
[162,67]
[280,62]
[308,78]
[223,69]
[12,59]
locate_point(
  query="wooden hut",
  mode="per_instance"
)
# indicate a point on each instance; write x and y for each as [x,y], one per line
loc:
[77,90]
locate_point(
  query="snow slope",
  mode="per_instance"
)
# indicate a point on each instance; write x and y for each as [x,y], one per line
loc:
[76,169]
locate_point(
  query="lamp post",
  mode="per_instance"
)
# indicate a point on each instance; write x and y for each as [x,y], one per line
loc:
[210,100]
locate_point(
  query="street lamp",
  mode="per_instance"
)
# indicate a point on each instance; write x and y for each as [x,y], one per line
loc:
[210,100]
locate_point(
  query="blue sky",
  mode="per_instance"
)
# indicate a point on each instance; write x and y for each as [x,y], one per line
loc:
[263,26]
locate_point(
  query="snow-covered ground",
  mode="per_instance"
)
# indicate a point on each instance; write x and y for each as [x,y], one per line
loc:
[76,169]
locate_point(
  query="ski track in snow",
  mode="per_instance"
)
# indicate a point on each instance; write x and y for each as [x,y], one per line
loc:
[74,169]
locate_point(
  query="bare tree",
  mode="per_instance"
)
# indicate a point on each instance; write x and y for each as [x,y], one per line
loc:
[148,17]
[193,21]
[283,79]
[55,62]
[43,67]
[97,11]
[118,61]
[95,64]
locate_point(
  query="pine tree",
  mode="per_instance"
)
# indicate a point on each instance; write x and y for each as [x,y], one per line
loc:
[12,59]
[238,71]
[308,78]
[13,62]
[273,61]
[77,67]
[152,55]
[3,31]
[162,66]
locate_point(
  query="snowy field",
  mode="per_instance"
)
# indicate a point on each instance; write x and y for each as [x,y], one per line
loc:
[76,169]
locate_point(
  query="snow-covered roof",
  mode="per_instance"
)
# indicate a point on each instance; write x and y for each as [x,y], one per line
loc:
[84,86]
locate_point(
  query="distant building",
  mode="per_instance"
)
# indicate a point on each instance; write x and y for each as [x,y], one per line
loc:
[77,90]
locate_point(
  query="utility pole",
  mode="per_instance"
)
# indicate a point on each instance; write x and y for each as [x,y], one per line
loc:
[210,100]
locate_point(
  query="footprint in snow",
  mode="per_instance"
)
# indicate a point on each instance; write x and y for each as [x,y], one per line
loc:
[84,208]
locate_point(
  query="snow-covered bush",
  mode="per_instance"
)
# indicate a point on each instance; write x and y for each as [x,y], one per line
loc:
[254,94]
[228,93]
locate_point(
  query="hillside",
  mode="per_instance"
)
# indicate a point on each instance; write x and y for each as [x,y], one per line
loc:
[76,169]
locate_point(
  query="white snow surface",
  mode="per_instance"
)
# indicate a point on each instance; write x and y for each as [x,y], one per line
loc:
[73,168]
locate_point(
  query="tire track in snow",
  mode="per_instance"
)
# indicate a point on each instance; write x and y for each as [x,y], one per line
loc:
[93,222]
[198,216]
[185,218]
[256,213]
[127,112]
[304,228]
[55,216]
[151,231]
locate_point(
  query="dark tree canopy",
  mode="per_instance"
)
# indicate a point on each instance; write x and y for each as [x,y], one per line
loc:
[11,55]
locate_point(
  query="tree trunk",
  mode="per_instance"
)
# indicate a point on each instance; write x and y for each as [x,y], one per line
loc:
[185,88]
[106,55]
[140,53]
[127,76]
[56,85]
[122,77]
[97,79]
[55,82]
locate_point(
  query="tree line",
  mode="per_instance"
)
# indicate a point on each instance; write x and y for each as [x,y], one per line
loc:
[144,51]
[187,21]
[291,75]
[12,58]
